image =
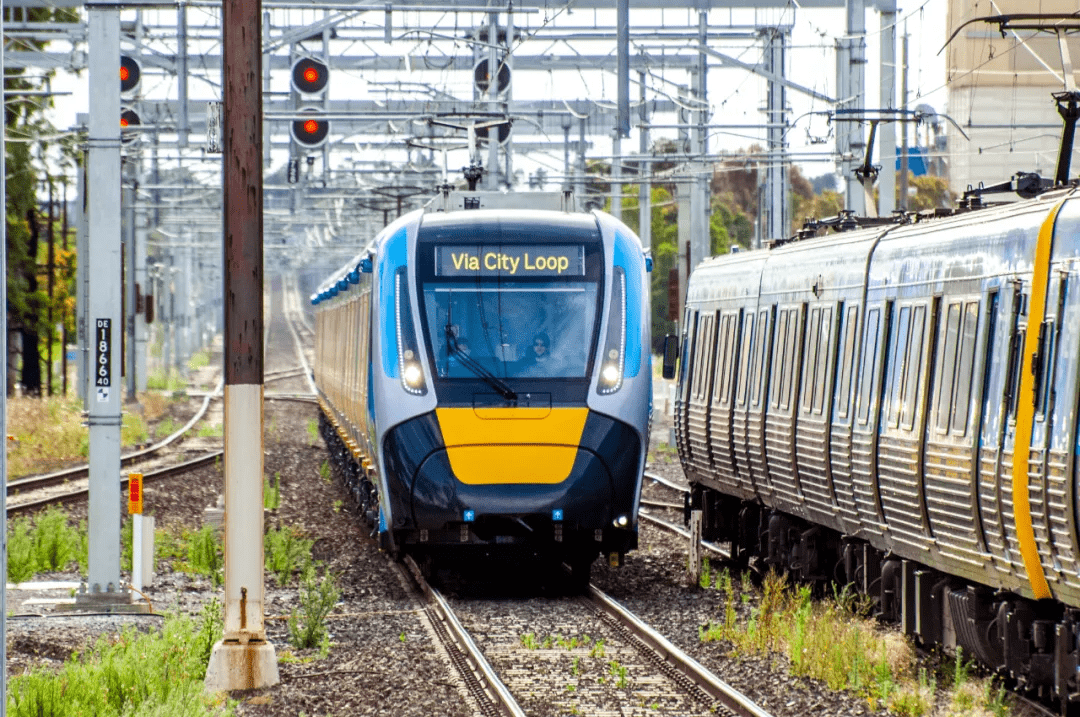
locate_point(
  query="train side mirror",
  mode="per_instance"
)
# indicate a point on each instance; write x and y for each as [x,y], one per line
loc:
[671,354]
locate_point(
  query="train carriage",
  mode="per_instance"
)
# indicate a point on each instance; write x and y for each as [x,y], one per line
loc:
[486,382]
[905,421]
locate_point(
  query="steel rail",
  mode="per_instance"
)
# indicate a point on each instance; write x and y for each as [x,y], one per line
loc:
[661,504]
[81,471]
[670,656]
[712,547]
[480,677]
[166,472]
[668,483]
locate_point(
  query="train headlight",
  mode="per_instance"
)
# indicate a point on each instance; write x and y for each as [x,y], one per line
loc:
[411,371]
[622,521]
[611,367]
[413,375]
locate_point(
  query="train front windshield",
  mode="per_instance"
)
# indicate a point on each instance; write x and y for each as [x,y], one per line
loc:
[525,305]
[512,329]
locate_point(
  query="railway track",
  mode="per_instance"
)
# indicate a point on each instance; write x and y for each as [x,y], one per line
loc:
[597,654]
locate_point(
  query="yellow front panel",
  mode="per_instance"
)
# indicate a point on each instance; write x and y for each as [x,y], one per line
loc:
[511,445]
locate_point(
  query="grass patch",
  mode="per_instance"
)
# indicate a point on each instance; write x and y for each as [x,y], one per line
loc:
[161,380]
[835,641]
[46,543]
[205,555]
[215,431]
[47,434]
[155,673]
[199,359]
[313,431]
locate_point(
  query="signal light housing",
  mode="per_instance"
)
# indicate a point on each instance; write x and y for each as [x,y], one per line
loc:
[502,132]
[310,132]
[130,74]
[482,76]
[310,76]
[129,119]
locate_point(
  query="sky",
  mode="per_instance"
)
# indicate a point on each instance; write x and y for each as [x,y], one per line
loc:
[736,97]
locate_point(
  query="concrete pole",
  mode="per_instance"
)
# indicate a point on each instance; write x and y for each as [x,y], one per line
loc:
[701,244]
[903,127]
[851,81]
[492,95]
[105,322]
[581,164]
[887,130]
[777,201]
[616,176]
[644,169]
[143,290]
[82,248]
[182,75]
[244,659]
[508,148]
[567,185]
[127,219]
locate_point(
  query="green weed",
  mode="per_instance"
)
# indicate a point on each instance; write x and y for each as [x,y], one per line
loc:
[54,541]
[215,431]
[22,562]
[272,492]
[324,471]
[205,555]
[307,628]
[313,431]
[287,552]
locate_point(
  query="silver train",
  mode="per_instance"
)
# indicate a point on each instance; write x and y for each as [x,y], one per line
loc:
[485,381]
[897,408]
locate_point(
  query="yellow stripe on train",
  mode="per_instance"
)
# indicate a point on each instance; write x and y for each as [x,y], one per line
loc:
[489,446]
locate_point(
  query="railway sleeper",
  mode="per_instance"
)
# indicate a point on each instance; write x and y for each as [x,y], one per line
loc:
[1035,644]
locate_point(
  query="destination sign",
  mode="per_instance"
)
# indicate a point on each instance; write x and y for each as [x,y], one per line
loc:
[516,261]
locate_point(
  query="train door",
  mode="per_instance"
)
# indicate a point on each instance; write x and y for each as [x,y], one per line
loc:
[950,463]
[842,417]
[872,365]
[901,427]
[682,391]
[813,417]
[700,383]
[740,436]
[1052,510]
[723,396]
[758,399]
[780,418]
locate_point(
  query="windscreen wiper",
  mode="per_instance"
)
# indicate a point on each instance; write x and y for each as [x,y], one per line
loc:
[477,368]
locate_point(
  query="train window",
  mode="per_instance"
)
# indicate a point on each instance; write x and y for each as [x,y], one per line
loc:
[946,366]
[725,359]
[1045,367]
[847,360]
[894,389]
[965,367]
[824,338]
[869,360]
[704,356]
[810,356]
[689,324]
[761,358]
[745,360]
[781,374]
[913,366]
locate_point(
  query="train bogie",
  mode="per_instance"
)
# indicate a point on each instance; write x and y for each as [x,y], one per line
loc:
[489,374]
[896,408]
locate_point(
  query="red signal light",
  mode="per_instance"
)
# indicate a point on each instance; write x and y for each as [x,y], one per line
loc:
[309,76]
[125,73]
[311,126]
[123,122]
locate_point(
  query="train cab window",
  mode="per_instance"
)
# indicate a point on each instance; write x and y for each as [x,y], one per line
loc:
[869,360]
[847,360]
[745,359]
